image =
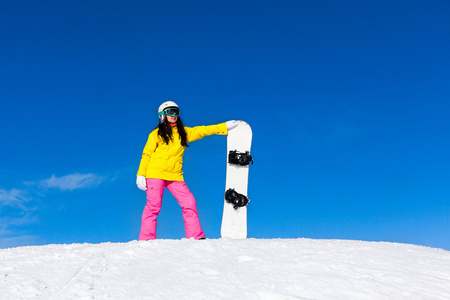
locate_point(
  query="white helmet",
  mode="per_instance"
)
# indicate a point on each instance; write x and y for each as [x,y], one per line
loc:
[163,107]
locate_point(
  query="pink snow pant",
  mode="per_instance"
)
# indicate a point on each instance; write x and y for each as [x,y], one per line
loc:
[179,189]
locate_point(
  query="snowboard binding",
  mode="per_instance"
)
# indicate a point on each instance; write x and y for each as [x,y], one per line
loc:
[238,200]
[240,158]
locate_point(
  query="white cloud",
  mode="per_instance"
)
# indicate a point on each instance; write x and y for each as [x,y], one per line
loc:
[72,182]
[11,234]
[7,222]
[25,204]
[14,198]
[18,241]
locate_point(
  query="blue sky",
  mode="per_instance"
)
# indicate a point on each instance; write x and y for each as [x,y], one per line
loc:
[348,102]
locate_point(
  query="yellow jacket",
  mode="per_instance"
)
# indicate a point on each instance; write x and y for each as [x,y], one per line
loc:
[164,161]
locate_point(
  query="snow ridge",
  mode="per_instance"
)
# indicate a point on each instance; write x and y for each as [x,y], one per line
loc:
[226,269]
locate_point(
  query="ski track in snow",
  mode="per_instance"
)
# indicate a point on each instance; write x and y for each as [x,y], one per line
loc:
[226,269]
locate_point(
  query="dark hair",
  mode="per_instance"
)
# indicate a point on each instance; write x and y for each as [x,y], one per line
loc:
[165,131]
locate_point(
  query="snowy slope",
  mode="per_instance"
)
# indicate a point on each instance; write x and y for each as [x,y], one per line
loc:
[226,269]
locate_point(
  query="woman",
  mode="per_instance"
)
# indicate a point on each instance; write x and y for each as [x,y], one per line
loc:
[161,167]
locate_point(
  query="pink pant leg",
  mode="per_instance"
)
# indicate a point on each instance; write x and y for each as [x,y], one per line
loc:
[155,191]
[187,202]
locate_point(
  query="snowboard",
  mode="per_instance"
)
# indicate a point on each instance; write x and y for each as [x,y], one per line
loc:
[234,220]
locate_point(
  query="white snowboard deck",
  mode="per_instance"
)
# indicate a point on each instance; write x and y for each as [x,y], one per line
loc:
[234,221]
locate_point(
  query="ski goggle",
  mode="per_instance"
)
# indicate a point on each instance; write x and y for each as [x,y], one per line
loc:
[171,111]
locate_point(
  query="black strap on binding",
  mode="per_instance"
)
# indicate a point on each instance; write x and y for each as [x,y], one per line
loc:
[238,200]
[240,158]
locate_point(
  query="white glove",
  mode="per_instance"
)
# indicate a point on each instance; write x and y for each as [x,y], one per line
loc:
[141,183]
[231,124]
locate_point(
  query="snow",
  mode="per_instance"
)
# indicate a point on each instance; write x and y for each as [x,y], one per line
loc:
[226,269]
